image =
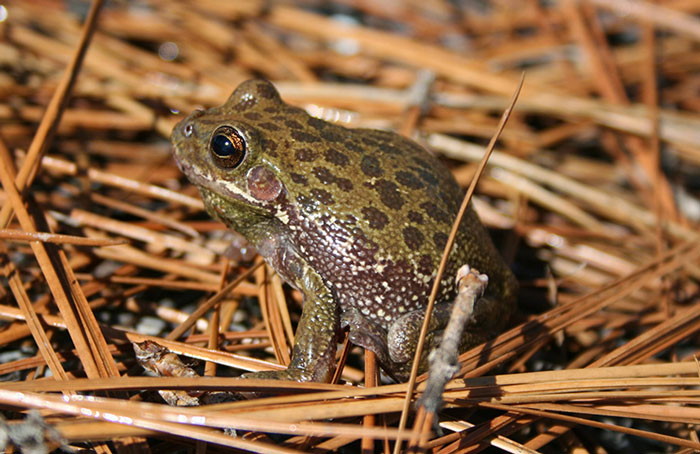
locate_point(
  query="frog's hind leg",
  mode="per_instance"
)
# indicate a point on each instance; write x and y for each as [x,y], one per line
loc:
[403,334]
[373,337]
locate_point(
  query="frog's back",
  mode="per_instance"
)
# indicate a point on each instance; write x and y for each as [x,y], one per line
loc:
[372,212]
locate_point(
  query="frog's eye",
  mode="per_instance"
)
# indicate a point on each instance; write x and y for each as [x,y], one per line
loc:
[227,147]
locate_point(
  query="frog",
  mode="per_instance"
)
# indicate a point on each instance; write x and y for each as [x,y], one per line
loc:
[355,219]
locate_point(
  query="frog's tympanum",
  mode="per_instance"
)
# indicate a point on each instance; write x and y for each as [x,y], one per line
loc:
[356,219]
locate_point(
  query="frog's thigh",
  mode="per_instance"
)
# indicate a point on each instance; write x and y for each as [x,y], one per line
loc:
[403,334]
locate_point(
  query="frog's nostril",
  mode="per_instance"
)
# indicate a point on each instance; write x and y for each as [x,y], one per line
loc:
[188,129]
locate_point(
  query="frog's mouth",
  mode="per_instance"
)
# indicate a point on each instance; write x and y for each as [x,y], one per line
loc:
[193,173]
[181,164]
[206,180]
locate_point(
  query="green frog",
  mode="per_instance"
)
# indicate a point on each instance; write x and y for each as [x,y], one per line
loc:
[355,219]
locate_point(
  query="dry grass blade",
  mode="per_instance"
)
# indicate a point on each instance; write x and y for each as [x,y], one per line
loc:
[204,308]
[18,235]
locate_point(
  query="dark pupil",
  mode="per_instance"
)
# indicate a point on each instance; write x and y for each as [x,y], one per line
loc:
[222,146]
[227,147]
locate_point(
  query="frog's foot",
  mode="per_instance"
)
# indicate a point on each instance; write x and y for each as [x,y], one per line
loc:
[366,334]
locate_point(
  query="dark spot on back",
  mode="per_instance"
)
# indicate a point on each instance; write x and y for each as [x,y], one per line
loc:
[408,179]
[268,125]
[252,115]
[421,162]
[323,196]
[302,136]
[324,175]
[354,146]
[316,123]
[384,136]
[370,166]
[440,240]
[415,217]
[336,157]
[333,133]
[271,109]
[294,112]
[389,194]
[428,176]
[305,155]
[269,146]
[299,178]
[344,184]
[415,147]
[451,200]
[377,218]
[293,124]
[436,213]
[412,237]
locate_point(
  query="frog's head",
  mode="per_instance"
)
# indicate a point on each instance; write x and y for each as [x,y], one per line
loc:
[230,153]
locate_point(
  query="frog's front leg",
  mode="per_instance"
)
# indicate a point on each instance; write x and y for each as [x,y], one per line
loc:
[315,341]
